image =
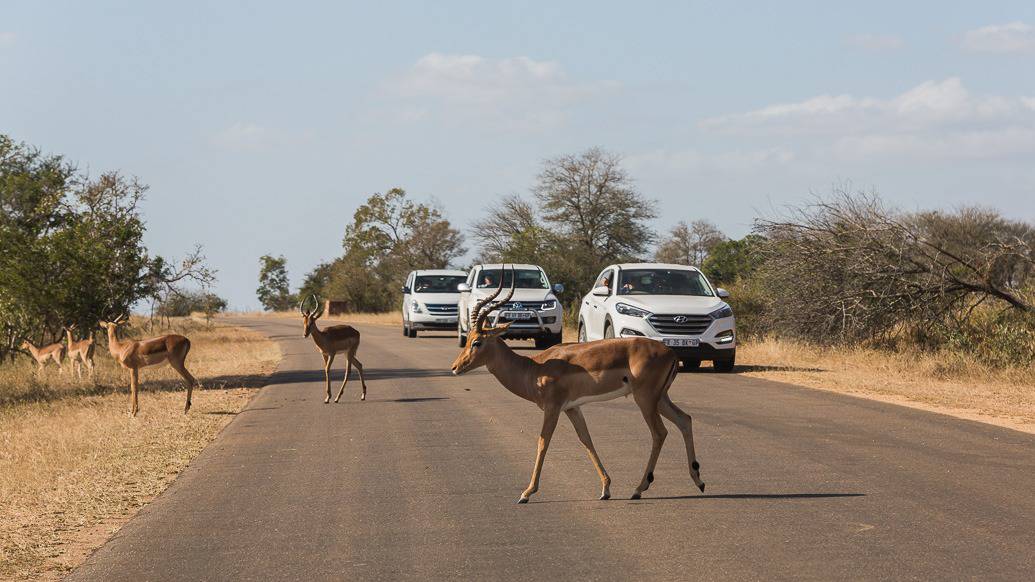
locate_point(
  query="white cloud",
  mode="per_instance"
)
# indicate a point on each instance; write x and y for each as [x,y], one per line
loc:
[515,93]
[936,119]
[875,42]
[7,38]
[692,160]
[1014,37]
[243,136]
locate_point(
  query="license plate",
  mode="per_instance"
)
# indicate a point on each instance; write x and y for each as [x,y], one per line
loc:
[445,320]
[517,314]
[681,342]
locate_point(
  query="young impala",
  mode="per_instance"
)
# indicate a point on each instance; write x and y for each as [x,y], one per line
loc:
[331,341]
[136,354]
[564,377]
[80,353]
[54,352]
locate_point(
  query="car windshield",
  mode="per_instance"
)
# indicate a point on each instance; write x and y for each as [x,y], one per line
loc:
[663,282]
[526,279]
[437,283]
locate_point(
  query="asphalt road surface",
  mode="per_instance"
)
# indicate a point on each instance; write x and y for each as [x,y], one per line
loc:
[420,482]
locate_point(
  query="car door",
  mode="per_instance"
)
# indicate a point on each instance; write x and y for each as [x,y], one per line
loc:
[407,289]
[595,308]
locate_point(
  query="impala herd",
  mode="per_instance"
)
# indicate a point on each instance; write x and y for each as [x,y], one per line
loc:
[559,379]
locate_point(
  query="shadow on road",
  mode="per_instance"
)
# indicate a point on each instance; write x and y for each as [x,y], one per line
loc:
[724,496]
[301,376]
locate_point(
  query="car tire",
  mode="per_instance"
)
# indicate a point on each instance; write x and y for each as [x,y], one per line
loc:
[541,343]
[406,329]
[724,366]
[411,332]
[689,364]
[609,332]
[460,335]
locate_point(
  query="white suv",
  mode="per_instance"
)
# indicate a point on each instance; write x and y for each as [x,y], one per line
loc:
[674,304]
[429,300]
[534,309]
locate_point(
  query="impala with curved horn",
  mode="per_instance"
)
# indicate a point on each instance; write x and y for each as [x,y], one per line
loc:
[333,340]
[136,354]
[564,377]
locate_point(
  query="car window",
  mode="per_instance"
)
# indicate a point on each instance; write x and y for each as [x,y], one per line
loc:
[604,280]
[526,278]
[664,282]
[437,283]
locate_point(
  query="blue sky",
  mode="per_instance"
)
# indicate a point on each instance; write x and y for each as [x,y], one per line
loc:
[261,126]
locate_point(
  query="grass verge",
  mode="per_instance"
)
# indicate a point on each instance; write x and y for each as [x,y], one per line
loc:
[74,466]
[944,382]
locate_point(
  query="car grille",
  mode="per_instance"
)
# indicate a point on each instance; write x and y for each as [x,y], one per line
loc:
[441,308]
[524,305]
[687,324]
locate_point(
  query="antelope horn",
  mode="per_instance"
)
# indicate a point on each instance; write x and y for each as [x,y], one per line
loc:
[300,304]
[510,294]
[317,308]
[476,313]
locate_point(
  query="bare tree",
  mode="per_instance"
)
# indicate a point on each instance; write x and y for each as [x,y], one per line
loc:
[849,268]
[689,244]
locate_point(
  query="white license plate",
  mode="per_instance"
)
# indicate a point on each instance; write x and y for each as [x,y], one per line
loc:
[445,320]
[681,342]
[517,314]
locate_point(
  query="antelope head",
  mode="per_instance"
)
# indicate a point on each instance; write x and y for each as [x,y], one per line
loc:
[309,317]
[110,325]
[482,341]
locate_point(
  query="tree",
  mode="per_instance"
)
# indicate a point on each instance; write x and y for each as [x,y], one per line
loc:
[733,260]
[689,244]
[590,200]
[274,292]
[849,269]
[389,236]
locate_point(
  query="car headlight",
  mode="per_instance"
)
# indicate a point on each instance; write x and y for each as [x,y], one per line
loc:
[722,312]
[626,309]
[548,305]
[415,307]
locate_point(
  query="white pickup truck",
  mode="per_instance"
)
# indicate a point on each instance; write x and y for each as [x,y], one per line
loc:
[674,304]
[430,300]
[534,309]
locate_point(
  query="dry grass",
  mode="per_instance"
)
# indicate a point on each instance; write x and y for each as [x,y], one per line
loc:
[74,465]
[386,318]
[947,382]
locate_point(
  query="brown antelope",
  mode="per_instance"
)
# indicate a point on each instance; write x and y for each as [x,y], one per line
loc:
[332,341]
[136,354]
[54,352]
[564,377]
[80,353]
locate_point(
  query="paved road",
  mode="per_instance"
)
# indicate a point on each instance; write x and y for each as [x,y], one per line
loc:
[420,482]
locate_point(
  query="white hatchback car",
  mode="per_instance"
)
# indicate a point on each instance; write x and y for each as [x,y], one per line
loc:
[429,300]
[674,304]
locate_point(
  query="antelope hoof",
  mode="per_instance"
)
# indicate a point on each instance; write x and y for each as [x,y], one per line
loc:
[605,496]
[363,396]
[327,400]
[701,486]
[635,495]
[522,500]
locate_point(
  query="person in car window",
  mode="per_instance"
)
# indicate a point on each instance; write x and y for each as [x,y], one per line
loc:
[488,280]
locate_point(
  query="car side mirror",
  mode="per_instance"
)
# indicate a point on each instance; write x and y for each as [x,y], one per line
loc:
[463,288]
[723,294]
[405,290]
[558,287]
[601,291]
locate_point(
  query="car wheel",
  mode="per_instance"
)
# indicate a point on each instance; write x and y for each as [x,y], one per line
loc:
[582,333]
[460,335]
[609,332]
[406,330]
[690,364]
[412,332]
[724,365]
